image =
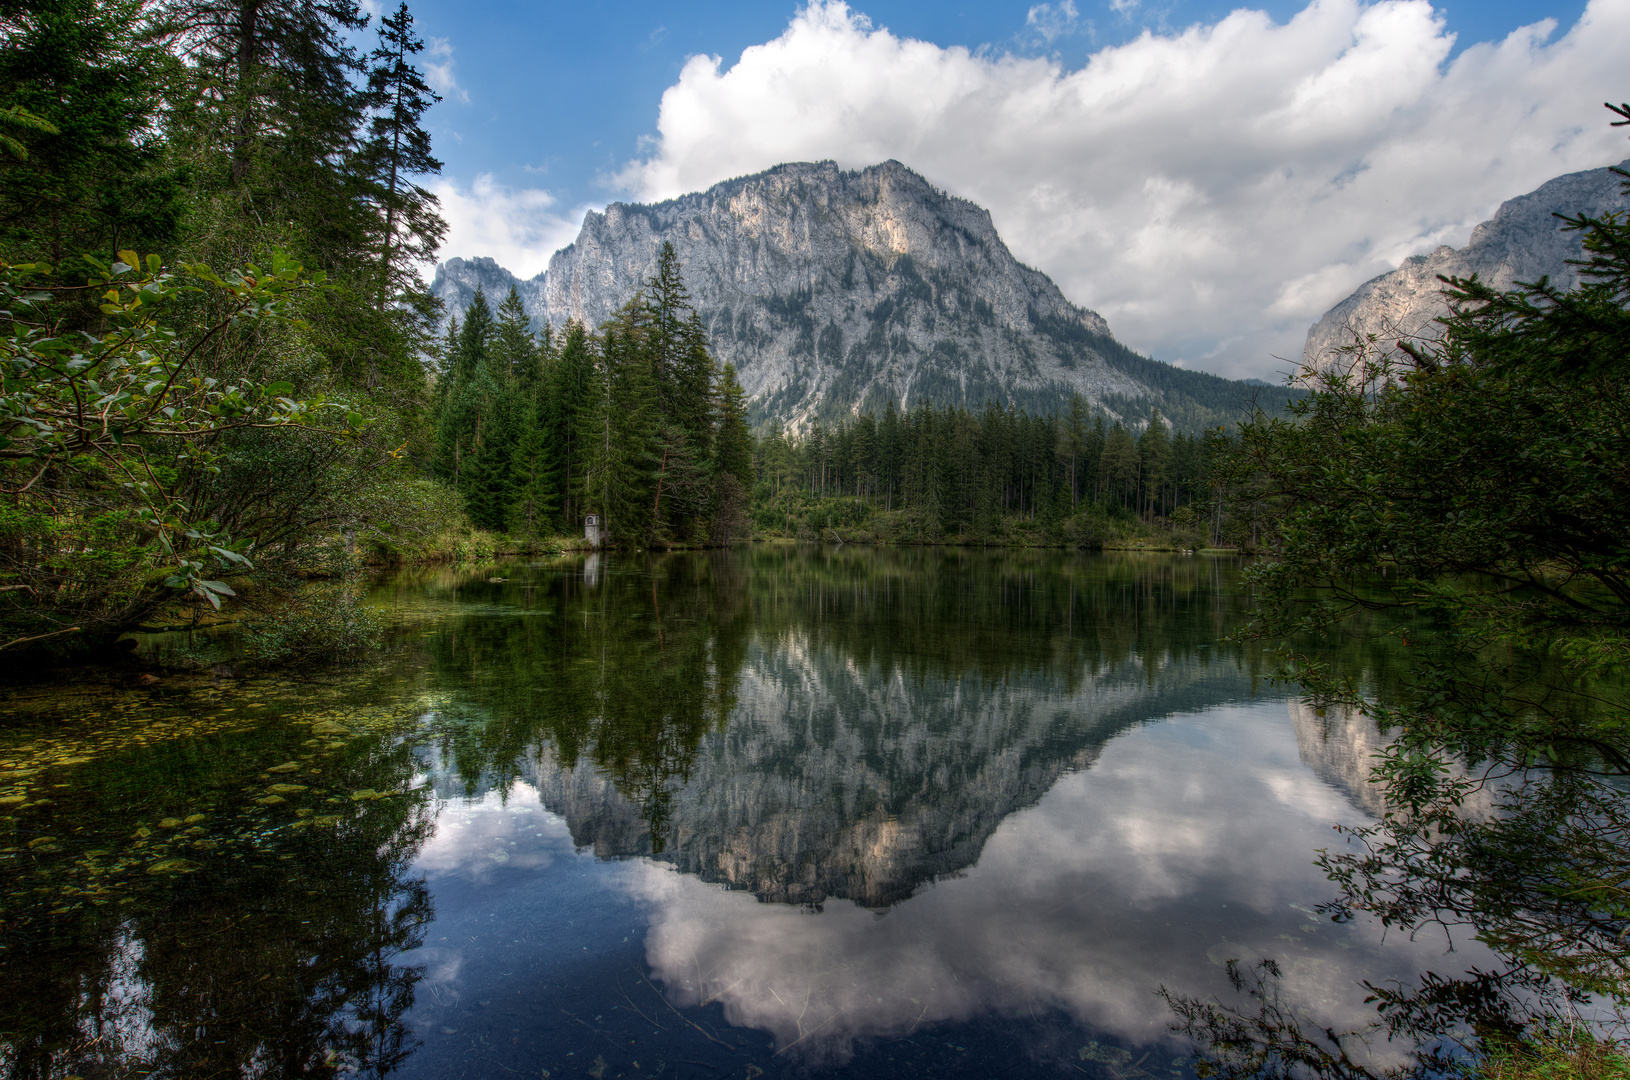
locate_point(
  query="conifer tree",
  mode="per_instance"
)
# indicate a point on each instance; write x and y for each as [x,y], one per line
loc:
[620,457]
[80,84]
[531,472]
[516,350]
[397,148]
[571,406]
[1154,453]
[733,460]
[470,393]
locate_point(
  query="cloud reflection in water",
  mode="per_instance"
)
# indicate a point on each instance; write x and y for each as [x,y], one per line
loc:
[1189,842]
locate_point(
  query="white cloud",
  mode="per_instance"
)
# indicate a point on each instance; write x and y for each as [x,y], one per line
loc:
[1051,21]
[519,227]
[438,70]
[1209,191]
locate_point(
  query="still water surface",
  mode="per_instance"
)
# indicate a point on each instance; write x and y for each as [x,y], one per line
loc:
[822,812]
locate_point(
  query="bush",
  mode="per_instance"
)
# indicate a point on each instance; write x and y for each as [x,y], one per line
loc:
[327,622]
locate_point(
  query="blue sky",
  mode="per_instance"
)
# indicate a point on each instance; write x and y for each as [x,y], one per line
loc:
[1210,179]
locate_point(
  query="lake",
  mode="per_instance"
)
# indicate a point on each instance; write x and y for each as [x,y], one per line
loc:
[775,811]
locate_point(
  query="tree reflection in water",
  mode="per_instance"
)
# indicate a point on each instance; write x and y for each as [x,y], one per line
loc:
[630,667]
[274,957]
[1532,862]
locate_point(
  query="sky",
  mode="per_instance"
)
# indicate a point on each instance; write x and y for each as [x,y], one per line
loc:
[1210,179]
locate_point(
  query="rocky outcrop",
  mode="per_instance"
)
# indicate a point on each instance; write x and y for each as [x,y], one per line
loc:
[1522,242]
[834,292]
[457,280]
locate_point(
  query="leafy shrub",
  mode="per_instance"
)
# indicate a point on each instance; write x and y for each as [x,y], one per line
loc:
[320,622]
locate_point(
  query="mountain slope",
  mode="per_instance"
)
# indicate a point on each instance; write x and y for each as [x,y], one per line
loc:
[1522,242]
[834,292]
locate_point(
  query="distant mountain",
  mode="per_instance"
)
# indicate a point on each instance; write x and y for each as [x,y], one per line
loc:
[834,292]
[1522,242]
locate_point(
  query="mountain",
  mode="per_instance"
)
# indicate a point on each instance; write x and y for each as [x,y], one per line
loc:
[834,292]
[1522,242]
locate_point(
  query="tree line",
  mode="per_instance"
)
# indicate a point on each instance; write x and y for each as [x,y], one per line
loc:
[635,422]
[965,471]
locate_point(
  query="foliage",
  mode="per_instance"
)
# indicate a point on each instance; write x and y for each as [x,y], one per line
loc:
[634,422]
[1486,476]
[320,623]
[976,476]
[148,410]
[125,412]
[1556,1054]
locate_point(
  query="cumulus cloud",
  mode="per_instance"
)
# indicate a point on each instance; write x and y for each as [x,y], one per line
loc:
[519,227]
[438,70]
[1211,191]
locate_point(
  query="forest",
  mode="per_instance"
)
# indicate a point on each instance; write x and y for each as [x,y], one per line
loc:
[224,375]
[226,386]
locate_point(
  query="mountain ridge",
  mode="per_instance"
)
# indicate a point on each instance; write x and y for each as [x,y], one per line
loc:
[1523,241]
[835,292]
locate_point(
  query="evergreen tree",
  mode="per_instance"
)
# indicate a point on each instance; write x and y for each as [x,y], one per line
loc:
[1118,469]
[470,395]
[571,407]
[93,178]
[398,148]
[518,355]
[733,461]
[620,453]
[1154,456]
[534,495]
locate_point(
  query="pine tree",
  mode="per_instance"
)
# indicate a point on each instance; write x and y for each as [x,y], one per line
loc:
[517,350]
[94,177]
[534,496]
[1155,454]
[275,100]
[570,408]
[470,393]
[397,148]
[1118,469]
[733,459]
[620,457]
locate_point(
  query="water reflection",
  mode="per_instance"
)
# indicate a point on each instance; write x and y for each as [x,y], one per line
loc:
[182,922]
[775,809]
[1184,845]
[822,724]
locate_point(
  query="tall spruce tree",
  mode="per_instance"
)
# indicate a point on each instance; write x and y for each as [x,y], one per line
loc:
[571,406]
[621,446]
[534,495]
[94,177]
[1154,456]
[397,149]
[469,395]
[733,461]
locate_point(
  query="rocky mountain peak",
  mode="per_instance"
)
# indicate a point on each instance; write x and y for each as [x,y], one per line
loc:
[835,291]
[1524,241]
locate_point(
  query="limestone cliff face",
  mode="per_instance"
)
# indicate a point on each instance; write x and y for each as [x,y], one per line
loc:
[457,280]
[836,291]
[830,782]
[1522,242]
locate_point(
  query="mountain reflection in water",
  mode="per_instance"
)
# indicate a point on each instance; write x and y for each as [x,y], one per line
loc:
[896,812]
